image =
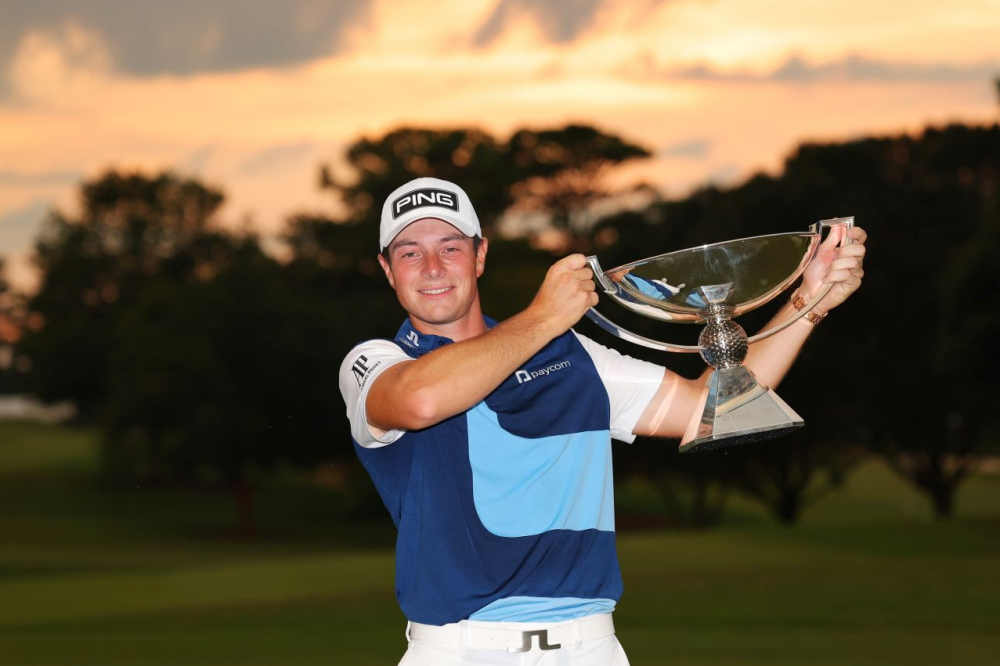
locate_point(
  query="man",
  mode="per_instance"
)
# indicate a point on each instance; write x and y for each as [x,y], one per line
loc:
[490,442]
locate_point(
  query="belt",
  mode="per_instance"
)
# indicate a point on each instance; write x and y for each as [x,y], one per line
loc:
[483,636]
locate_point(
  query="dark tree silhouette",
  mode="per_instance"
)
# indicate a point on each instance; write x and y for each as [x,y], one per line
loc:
[132,229]
[208,361]
[469,157]
[566,170]
[219,381]
[9,333]
[200,356]
[558,172]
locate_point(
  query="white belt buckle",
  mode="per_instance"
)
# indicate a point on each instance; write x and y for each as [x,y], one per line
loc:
[543,641]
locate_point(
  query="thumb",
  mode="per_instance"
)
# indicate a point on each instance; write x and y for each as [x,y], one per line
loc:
[573,261]
[829,245]
[835,237]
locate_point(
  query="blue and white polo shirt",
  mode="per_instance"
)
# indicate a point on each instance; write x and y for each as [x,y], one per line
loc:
[505,512]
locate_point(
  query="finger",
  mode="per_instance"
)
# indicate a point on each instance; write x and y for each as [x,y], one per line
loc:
[847,262]
[842,275]
[853,280]
[849,285]
[853,250]
[589,285]
[583,274]
[858,235]
[572,262]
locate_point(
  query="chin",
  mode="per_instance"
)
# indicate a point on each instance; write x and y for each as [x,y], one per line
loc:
[441,317]
[439,320]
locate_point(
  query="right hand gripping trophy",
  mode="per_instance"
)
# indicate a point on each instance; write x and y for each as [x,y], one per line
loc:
[711,285]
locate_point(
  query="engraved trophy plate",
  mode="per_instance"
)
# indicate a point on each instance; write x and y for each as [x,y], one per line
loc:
[710,285]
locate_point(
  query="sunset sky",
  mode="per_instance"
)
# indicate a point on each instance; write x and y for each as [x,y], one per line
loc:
[253,95]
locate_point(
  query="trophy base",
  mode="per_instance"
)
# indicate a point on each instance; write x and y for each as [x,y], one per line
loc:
[738,409]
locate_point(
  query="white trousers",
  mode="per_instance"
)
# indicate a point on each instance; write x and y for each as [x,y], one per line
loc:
[605,651]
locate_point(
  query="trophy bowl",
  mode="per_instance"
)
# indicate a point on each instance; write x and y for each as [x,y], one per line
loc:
[710,285]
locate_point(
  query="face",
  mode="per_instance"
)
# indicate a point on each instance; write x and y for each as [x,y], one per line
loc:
[434,270]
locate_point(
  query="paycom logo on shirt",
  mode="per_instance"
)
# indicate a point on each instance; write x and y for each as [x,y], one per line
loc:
[526,376]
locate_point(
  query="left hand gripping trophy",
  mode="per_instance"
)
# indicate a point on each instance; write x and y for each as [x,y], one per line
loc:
[710,285]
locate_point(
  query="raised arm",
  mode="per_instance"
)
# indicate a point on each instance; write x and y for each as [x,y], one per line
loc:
[419,393]
[839,265]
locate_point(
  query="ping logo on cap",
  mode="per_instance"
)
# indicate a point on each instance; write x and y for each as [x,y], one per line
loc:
[424,197]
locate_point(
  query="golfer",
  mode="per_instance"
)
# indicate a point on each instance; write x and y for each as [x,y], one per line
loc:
[490,443]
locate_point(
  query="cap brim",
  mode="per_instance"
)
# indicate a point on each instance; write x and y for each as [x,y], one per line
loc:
[453,220]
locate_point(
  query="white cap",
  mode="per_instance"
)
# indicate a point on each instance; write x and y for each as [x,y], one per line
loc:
[427,197]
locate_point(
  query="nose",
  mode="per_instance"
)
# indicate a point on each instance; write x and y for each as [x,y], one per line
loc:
[432,265]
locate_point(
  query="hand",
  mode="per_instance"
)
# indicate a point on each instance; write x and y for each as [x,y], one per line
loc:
[836,264]
[566,293]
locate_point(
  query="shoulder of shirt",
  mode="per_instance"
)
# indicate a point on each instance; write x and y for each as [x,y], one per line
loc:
[589,344]
[375,345]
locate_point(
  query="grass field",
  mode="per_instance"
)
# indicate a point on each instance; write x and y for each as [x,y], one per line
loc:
[141,576]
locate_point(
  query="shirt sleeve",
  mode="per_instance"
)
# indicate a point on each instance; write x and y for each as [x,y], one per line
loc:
[358,372]
[630,384]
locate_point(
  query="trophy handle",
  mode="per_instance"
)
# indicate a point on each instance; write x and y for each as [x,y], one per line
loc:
[817,228]
[618,331]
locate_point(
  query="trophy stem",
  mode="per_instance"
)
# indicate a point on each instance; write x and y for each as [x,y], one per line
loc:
[734,406]
[723,342]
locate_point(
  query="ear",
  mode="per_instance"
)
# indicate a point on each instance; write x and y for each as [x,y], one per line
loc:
[388,270]
[481,257]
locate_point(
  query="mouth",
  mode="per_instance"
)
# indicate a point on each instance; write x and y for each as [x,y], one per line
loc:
[435,292]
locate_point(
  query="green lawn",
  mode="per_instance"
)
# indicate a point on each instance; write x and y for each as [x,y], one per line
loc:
[142,576]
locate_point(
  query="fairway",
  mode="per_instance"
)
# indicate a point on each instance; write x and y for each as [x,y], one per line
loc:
[137,576]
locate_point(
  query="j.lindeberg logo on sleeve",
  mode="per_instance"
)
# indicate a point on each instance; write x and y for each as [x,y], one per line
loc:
[422,198]
[526,376]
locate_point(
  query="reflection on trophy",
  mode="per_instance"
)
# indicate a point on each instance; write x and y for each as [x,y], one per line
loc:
[710,285]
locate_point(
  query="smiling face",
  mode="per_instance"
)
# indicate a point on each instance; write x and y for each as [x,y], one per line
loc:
[433,268]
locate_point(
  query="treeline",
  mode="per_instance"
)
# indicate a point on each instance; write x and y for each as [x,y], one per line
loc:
[207,360]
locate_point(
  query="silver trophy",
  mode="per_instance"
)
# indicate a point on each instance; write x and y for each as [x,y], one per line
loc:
[710,285]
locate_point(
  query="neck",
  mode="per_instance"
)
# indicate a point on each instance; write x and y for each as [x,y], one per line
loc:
[468,326]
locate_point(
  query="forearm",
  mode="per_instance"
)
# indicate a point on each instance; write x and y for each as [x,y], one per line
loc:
[771,358]
[456,377]
[671,409]
[453,378]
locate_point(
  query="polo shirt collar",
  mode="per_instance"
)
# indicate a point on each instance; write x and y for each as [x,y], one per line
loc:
[418,344]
